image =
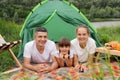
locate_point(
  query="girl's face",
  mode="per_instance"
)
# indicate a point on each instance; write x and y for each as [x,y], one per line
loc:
[64,49]
[82,35]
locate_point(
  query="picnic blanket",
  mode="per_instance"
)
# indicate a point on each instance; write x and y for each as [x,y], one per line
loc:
[96,72]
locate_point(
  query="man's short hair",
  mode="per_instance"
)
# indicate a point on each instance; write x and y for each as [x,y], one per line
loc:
[41,29]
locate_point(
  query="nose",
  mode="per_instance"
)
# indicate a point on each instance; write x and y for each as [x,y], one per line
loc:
[42,38]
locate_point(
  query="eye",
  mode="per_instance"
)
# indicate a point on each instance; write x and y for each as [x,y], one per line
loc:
[79,34]
[84,34]
[45,36]
[39,36]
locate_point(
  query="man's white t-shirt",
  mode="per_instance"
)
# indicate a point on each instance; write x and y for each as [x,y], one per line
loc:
[83,53]
[30,51]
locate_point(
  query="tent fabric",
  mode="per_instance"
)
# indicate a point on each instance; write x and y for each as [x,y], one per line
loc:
[59,17]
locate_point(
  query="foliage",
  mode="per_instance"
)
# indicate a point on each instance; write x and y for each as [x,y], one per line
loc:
[17,10]
[10,32]
[106,34]
[10,8]
[98,8]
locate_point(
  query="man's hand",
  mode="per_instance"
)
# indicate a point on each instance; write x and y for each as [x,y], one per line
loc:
[40,67]
[46,68]
[37,68]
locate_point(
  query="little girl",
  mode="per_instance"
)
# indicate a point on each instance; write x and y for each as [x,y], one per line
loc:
[64,55]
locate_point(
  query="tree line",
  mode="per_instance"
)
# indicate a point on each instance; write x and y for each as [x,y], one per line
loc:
[99,8]
[17,10]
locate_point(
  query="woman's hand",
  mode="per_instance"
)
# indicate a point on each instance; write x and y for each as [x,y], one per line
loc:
[83,67]
[77,66]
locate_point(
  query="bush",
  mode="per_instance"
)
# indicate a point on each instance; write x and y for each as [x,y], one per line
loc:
[103,38]
[10,32]
[106,34]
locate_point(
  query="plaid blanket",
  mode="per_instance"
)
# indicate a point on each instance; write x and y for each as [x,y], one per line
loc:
[95,72]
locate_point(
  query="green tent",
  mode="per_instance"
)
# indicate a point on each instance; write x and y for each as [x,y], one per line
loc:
[59,17]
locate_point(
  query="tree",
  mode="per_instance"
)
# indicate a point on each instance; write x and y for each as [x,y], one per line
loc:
[92,12]
[15,17]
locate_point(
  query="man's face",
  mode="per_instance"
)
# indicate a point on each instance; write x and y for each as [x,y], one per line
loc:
[41,38]
[82,35]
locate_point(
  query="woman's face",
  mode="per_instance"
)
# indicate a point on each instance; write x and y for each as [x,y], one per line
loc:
[64,49]
[82,35]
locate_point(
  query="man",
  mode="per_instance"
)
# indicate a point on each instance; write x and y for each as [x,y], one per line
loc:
[38,53]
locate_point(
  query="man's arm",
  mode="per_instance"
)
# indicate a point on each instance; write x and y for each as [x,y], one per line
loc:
[29,66]
[51,67]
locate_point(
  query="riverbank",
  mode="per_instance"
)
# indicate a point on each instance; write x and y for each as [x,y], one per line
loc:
[105,24]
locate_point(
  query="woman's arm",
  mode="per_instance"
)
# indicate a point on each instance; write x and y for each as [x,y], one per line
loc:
[76,62]
[84,66]
[90,59]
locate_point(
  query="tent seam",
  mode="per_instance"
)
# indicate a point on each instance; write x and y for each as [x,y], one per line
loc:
[31,14]
[50,17]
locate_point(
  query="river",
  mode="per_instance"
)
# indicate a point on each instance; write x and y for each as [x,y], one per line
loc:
[105,24]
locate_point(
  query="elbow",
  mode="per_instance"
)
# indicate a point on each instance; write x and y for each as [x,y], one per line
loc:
[25,65]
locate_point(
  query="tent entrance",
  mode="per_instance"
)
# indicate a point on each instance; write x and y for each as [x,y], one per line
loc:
[58,28]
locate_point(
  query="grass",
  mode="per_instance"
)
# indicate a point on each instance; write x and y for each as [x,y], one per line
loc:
[10,32]
[106,34]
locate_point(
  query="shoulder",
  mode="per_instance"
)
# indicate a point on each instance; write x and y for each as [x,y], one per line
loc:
[74,41]
[71,53]
[30,43]
[71,50]
[49,42]
[91,40]
[56,53]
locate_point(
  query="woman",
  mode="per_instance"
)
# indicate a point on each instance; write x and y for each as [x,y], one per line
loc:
[84,46]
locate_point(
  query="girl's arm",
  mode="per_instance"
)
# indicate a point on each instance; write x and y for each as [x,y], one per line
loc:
[60,60]
[68,60]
